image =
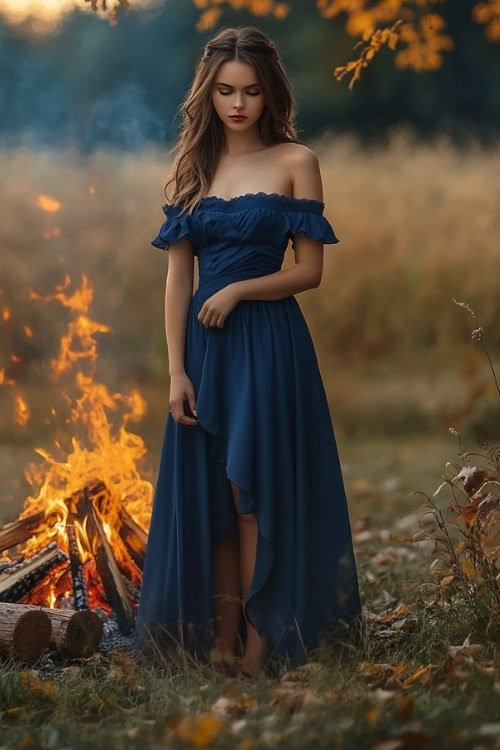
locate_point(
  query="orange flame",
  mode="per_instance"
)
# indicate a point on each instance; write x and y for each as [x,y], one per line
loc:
[22,411]
[99,448]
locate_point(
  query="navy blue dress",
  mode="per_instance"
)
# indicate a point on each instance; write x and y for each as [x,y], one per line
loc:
[264,424]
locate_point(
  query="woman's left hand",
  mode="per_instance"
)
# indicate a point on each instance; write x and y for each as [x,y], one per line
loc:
[216,308]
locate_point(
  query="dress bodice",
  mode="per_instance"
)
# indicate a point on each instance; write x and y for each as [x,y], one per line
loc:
[246,235]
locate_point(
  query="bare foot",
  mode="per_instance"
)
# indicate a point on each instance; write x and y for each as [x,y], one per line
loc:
[256,653]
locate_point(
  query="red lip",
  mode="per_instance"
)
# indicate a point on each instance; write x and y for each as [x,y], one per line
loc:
[238,117]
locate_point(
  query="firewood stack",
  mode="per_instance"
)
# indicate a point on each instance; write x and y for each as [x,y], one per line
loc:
[27,629]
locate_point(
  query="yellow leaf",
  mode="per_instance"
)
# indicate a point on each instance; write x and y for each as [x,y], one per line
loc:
[393,40]
[369,669]
[421,675]
[208,19]
[201,730]
[469,569]
[400,668]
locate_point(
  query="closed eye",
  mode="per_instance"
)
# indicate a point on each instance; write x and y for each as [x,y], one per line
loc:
[251,93]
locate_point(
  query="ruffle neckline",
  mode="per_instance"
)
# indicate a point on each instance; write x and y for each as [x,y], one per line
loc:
[228,204]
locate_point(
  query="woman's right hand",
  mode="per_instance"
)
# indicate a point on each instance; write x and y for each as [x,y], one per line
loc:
[182,400]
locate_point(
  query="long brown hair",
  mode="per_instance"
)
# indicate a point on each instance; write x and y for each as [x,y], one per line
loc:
[202,136]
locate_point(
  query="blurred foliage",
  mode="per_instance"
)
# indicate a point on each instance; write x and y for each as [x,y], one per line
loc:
[88,83]
[421,31]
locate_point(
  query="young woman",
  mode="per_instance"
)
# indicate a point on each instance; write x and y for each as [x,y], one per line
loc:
[250,541]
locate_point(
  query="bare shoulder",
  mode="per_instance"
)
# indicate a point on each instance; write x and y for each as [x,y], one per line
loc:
[297,152]
[302,164]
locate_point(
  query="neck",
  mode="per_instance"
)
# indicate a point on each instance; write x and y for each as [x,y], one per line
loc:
[238,144]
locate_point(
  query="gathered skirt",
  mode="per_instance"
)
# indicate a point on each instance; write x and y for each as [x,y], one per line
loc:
[265,425]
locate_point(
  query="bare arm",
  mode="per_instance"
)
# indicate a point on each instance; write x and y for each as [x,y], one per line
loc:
[178,294]
[307,271]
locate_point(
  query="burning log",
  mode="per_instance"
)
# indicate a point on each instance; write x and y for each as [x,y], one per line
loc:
[79,584]
[25,631]
[134,537]
[110,575]
[19,579]
[88,509]
[19,531]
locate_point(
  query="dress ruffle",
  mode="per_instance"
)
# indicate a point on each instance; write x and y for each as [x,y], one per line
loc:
[284,217]
[315,226]
[173,228]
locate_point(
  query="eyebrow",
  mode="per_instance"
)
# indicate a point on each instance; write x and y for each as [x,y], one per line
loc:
[251,86]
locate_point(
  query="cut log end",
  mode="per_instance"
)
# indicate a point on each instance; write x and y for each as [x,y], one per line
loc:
[31,636]
[84,633]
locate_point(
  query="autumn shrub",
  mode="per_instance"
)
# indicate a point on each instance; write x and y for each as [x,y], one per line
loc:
[466,532]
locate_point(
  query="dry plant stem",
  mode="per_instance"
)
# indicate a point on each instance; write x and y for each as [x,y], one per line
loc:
[483,579]
[450,554]
[491,367]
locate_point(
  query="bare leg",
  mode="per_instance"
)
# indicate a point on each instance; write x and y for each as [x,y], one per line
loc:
[255,649]
[226,589]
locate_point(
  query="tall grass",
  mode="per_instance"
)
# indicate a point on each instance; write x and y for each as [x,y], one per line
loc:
[418,224]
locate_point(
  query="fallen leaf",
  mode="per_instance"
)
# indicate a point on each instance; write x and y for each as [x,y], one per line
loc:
[303,672]
[201,730]
[421,675]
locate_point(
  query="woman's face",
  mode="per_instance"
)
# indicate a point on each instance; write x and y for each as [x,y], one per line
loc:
[236,91]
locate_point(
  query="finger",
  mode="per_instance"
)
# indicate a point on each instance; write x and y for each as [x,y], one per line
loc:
[192,403]
[188,421]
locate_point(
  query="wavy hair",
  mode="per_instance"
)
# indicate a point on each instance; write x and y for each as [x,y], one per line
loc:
[202,136]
